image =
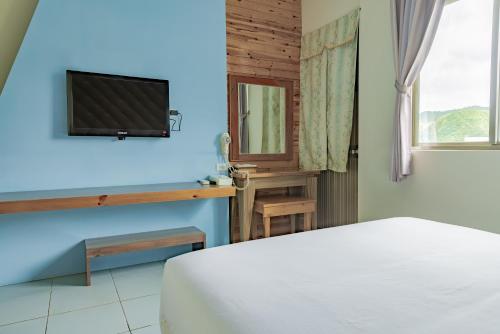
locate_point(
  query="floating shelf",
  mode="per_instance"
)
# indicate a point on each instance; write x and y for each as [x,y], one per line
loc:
[51,200]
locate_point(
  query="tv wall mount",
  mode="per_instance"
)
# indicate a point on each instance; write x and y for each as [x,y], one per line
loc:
[175,121]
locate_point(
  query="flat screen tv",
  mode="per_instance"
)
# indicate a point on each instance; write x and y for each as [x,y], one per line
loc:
[118,106]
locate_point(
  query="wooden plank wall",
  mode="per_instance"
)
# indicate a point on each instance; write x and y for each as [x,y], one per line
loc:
[263,39]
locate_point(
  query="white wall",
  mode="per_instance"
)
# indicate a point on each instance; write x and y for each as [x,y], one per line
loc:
[457,187]
[316,13]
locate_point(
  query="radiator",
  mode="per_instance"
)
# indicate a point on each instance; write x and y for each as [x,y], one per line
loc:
[338,196]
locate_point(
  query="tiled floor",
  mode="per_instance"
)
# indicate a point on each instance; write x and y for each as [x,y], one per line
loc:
[124,300]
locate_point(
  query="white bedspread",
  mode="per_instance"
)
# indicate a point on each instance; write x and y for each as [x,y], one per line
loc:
[400,275]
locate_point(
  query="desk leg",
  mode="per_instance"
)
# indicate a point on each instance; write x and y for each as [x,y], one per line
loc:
[233,218]
[312,192]
[246,199]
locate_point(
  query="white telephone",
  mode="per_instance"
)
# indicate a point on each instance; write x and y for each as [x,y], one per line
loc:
[221,180]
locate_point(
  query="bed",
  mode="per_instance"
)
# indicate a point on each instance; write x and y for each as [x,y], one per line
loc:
[399,275]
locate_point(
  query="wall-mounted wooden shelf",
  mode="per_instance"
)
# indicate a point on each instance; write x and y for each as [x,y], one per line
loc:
[51,200]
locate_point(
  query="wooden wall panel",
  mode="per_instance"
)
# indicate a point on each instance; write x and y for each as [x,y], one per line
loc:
[263,39]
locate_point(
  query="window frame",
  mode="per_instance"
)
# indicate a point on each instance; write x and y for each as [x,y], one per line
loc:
[494,119]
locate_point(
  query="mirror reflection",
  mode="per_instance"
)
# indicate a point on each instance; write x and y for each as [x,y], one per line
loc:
[261,113]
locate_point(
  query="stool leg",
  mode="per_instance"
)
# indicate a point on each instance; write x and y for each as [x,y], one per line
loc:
[255,222]
[267,227]
[292,223]
[307,221]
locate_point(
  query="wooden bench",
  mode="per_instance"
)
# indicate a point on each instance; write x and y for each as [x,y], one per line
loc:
[142,241]
[274,206]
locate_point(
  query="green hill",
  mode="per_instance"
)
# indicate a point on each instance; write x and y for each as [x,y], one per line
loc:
[455,125]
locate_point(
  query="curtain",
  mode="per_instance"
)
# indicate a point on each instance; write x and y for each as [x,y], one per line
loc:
[273,120]
[414,24]
[327,79]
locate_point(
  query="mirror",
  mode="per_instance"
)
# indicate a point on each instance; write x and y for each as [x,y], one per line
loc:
[261,118]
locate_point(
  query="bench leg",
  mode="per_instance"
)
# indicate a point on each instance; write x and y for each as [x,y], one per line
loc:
[87,270]
[292,223]
[267,227]
[307,221]
[198,246]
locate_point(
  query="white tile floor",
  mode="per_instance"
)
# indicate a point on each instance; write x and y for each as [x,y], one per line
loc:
[124,300]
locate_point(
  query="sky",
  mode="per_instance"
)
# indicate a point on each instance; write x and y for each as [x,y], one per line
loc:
[457,71]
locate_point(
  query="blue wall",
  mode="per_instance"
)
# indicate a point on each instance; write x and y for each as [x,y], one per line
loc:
[183,41]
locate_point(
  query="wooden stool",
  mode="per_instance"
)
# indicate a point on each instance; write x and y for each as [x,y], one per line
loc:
[282,206]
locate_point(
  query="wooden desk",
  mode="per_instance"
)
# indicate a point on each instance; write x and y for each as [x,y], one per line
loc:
[267,180]
[50,200]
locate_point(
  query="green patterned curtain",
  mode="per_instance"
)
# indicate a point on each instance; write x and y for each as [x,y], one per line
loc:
[327,79]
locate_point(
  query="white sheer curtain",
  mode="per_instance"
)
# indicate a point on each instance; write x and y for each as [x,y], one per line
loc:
[414,24]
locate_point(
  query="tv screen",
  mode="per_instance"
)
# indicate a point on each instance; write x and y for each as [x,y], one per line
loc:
[119,106]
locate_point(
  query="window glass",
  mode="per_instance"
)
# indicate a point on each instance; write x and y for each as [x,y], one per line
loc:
[455,80]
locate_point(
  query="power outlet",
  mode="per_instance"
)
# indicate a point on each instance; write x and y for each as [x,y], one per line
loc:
[221,167]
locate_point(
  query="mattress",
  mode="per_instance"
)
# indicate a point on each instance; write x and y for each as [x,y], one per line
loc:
[399,275]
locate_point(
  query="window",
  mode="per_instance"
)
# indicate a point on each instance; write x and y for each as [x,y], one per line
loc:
[453,105]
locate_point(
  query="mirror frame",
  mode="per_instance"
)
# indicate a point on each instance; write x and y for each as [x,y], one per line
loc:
[235,154]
